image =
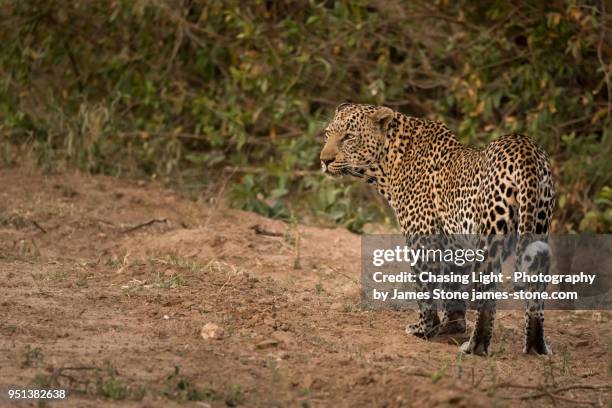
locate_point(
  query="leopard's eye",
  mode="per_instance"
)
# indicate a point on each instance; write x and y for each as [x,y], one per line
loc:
[348,137]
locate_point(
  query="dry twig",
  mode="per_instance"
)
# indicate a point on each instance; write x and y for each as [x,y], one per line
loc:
[259,230]
[553,394]
[146,224]
[37,225]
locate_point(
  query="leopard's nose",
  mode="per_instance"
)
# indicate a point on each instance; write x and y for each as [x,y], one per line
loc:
[325,164]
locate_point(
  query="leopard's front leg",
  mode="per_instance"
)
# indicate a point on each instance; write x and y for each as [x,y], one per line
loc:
[453,318]
[429,322]
[453,314]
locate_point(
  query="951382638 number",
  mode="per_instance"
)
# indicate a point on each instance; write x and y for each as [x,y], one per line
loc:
[36,394]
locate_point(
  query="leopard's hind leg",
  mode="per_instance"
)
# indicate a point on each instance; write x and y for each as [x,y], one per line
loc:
[535,260]
[480,339]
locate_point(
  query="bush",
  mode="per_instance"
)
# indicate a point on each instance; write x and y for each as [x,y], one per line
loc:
[240,90]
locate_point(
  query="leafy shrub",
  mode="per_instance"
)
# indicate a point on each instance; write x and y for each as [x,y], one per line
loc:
[175,89]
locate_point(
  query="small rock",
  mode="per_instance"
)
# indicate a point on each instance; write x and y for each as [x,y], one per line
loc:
[366,379]
[277,356]
[307,382]
[386,357]
[313,383]
[166,317]
[287,338]
[345,361]
[581,343]
[266,344]
[211,331]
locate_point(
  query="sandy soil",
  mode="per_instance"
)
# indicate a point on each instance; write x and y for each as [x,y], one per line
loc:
[128,294]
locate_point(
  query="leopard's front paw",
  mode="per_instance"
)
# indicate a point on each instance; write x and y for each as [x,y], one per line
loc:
[475,346]
[425,329]
[540,348]
[450,327]
[416,329]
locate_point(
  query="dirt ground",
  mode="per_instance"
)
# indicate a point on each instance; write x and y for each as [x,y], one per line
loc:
[129,294]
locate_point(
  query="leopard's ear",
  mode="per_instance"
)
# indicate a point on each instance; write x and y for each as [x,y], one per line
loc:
[382,116]
[343,106]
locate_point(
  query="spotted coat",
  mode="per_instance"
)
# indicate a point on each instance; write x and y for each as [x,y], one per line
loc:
[437,185]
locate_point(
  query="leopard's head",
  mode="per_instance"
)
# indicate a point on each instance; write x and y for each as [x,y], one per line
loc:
[354,139]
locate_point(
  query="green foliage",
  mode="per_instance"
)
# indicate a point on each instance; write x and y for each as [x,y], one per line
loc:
[110,385]
[31,356]
[180,388]
[234,396]
[239,90]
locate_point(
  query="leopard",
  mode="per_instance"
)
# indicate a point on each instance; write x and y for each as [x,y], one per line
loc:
[435,184]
